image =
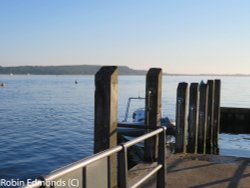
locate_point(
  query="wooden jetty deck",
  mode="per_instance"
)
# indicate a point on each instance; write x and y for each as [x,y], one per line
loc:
[200,171]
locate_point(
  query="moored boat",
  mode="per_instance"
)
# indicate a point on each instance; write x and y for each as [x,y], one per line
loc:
[138,119]
[2,84]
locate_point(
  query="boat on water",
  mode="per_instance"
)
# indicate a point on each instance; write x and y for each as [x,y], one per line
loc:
[132,129]
[138,119]
[2,84]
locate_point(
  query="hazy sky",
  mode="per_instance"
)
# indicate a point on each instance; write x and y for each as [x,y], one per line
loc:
[188,36]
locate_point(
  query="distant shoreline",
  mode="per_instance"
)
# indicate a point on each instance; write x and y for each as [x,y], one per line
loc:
[64,70]
[165,74]
[87,70]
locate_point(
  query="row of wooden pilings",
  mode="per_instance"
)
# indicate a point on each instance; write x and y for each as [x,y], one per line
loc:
[203,119]
[198,130]
[106,108]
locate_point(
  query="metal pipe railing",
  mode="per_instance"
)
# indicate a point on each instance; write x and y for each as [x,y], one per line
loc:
[160,168]
[147,176]
[122,162]
[82,163]
[136,126]
[142,138]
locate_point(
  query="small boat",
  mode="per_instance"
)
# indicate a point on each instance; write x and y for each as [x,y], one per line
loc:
[136,153]
[2,84]
[138,117]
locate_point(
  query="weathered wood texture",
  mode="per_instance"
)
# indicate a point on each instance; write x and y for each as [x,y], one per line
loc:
[181,118]
[216,127]
[193,118]
[210,117]
[123,169]
[161,174]
[202,119]
[153,109]
[105,135]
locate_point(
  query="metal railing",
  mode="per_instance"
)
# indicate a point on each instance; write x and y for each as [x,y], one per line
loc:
[121,150]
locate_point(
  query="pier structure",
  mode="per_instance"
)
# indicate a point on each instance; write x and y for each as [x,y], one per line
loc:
[196,163]
[197,130]
[108,167]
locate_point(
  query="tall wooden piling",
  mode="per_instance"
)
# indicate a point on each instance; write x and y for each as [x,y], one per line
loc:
[202,127]
[105,135]
[210,117]
[216,128]
[193,118]
[181,114]
[153,109]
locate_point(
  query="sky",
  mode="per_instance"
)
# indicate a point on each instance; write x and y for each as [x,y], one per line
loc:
[179,36]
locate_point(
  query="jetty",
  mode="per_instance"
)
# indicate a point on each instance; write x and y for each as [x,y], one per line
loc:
[196,162]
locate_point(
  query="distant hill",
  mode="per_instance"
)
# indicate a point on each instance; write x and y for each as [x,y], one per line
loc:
[65,70]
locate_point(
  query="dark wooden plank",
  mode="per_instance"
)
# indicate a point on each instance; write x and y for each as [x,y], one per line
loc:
[210,117]
[123,168]
[202,119]
[181,115]
[161,174]
[216,128]
[105,134]
[153,109]
[193,118]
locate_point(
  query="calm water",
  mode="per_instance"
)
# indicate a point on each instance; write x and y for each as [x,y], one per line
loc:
[47,121]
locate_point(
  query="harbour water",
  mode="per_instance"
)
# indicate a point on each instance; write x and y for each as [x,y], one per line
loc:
[47,121]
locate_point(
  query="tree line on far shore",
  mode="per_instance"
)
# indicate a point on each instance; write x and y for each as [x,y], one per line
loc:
[65,70]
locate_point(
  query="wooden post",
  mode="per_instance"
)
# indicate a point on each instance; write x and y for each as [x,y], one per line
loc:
[210,117]
[202,119]
[216,128]
[105,135]
[153,109]
[161,174]
[193,118]
[181,114]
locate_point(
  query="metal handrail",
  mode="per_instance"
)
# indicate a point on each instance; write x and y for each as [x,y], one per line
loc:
[136,126]
[142,138]
[145,178]
[122,161]
[82,163]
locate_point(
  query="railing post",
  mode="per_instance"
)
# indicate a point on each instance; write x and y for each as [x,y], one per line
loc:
[193,118]
[216,128]
[202,119]
[122,168]
[161,175]
[210,117]
[105,135]
[181,122]
[153,109]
